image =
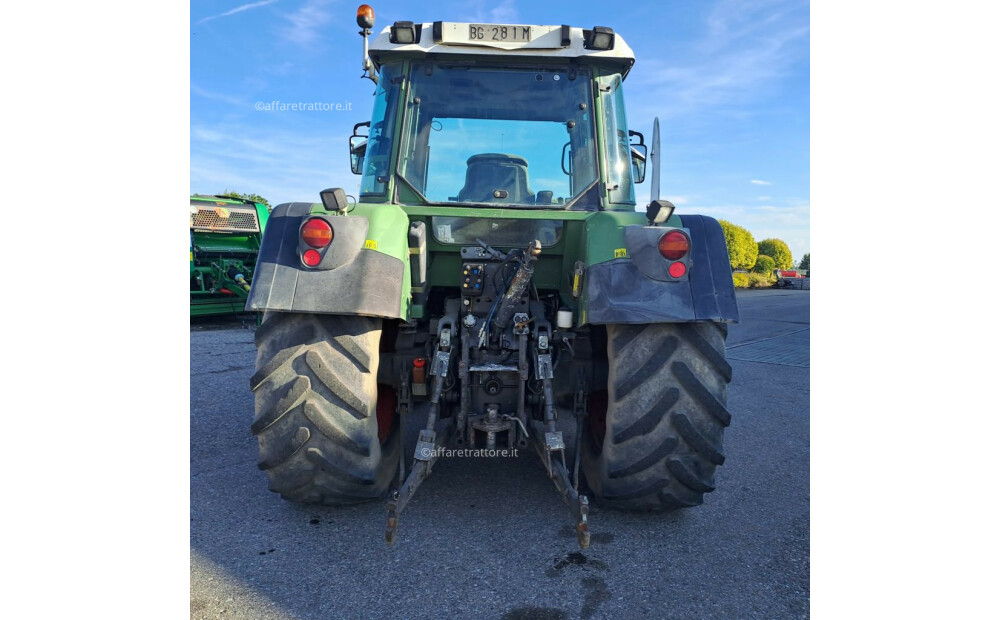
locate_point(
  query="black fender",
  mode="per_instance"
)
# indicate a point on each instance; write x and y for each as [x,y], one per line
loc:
[619,291]
[350,279]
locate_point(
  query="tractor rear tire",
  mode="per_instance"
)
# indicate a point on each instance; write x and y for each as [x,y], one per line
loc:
[315,420]
[654,437]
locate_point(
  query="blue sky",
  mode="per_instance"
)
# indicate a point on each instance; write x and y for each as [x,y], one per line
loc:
[728,79]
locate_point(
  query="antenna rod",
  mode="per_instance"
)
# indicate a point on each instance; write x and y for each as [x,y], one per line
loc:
[366,63]
[654,161]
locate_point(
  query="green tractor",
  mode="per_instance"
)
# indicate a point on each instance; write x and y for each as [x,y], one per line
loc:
[225,239]
[495,272]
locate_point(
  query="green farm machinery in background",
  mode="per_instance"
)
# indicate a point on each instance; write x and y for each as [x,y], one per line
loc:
[225,239]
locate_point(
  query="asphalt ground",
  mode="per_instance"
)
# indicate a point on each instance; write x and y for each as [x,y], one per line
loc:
[490,538]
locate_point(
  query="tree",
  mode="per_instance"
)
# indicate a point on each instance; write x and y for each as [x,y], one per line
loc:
[764,264]
[804,263]
[778,250]
[741,246]
[253,197]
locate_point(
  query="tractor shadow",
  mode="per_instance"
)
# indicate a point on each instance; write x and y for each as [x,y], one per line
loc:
[472,522]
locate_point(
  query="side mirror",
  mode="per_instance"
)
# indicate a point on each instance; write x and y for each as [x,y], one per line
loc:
[359,144]
[659,211]
[638,150]
[639,162]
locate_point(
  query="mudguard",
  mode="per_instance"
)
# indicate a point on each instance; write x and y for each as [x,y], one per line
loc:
[362,271]
[628,290]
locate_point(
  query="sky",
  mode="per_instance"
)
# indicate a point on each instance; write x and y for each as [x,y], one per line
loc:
[728,79]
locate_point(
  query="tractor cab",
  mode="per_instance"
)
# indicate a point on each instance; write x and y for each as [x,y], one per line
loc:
[519,116]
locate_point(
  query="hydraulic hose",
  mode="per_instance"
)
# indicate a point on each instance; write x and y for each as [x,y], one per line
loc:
[518,285]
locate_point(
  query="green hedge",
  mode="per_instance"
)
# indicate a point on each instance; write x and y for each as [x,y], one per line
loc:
[765,264]
[741,245]
[752,280]
[778,250]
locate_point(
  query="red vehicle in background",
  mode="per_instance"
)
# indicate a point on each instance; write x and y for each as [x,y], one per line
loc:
[791,278]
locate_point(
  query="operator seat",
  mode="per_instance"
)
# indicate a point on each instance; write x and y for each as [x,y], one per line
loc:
[489,172]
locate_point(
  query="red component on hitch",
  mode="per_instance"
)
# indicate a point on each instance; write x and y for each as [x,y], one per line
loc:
[420,370]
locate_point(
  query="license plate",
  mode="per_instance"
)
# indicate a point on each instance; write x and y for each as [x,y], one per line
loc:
[493,32]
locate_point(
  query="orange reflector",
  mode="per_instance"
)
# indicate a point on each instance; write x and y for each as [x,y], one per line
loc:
[677,270]
[317,233]
[674,245]
[311,258]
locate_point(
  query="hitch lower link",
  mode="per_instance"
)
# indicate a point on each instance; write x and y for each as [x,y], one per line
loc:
[548,441]
[428,445]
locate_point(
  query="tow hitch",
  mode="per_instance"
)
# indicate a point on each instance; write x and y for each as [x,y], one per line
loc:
[506,329]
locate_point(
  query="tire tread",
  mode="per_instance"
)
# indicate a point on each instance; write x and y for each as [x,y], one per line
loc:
[315,393]
[665,417]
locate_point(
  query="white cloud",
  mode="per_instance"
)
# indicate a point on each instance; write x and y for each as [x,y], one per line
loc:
[281,69]
[757,182]
[239,9]
[504,13]
[283,165]
[736,19]
[746,49]
[307,22]
[214,96]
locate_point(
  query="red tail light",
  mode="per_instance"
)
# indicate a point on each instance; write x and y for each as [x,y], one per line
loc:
[318,233]
[677,270]
[674,245]
[311,258]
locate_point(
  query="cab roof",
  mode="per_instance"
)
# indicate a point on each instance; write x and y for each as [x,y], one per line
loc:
[520,42]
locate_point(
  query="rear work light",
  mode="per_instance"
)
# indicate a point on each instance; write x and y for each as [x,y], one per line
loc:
[318,233]
[404,33]
[674,245]
[600,38]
